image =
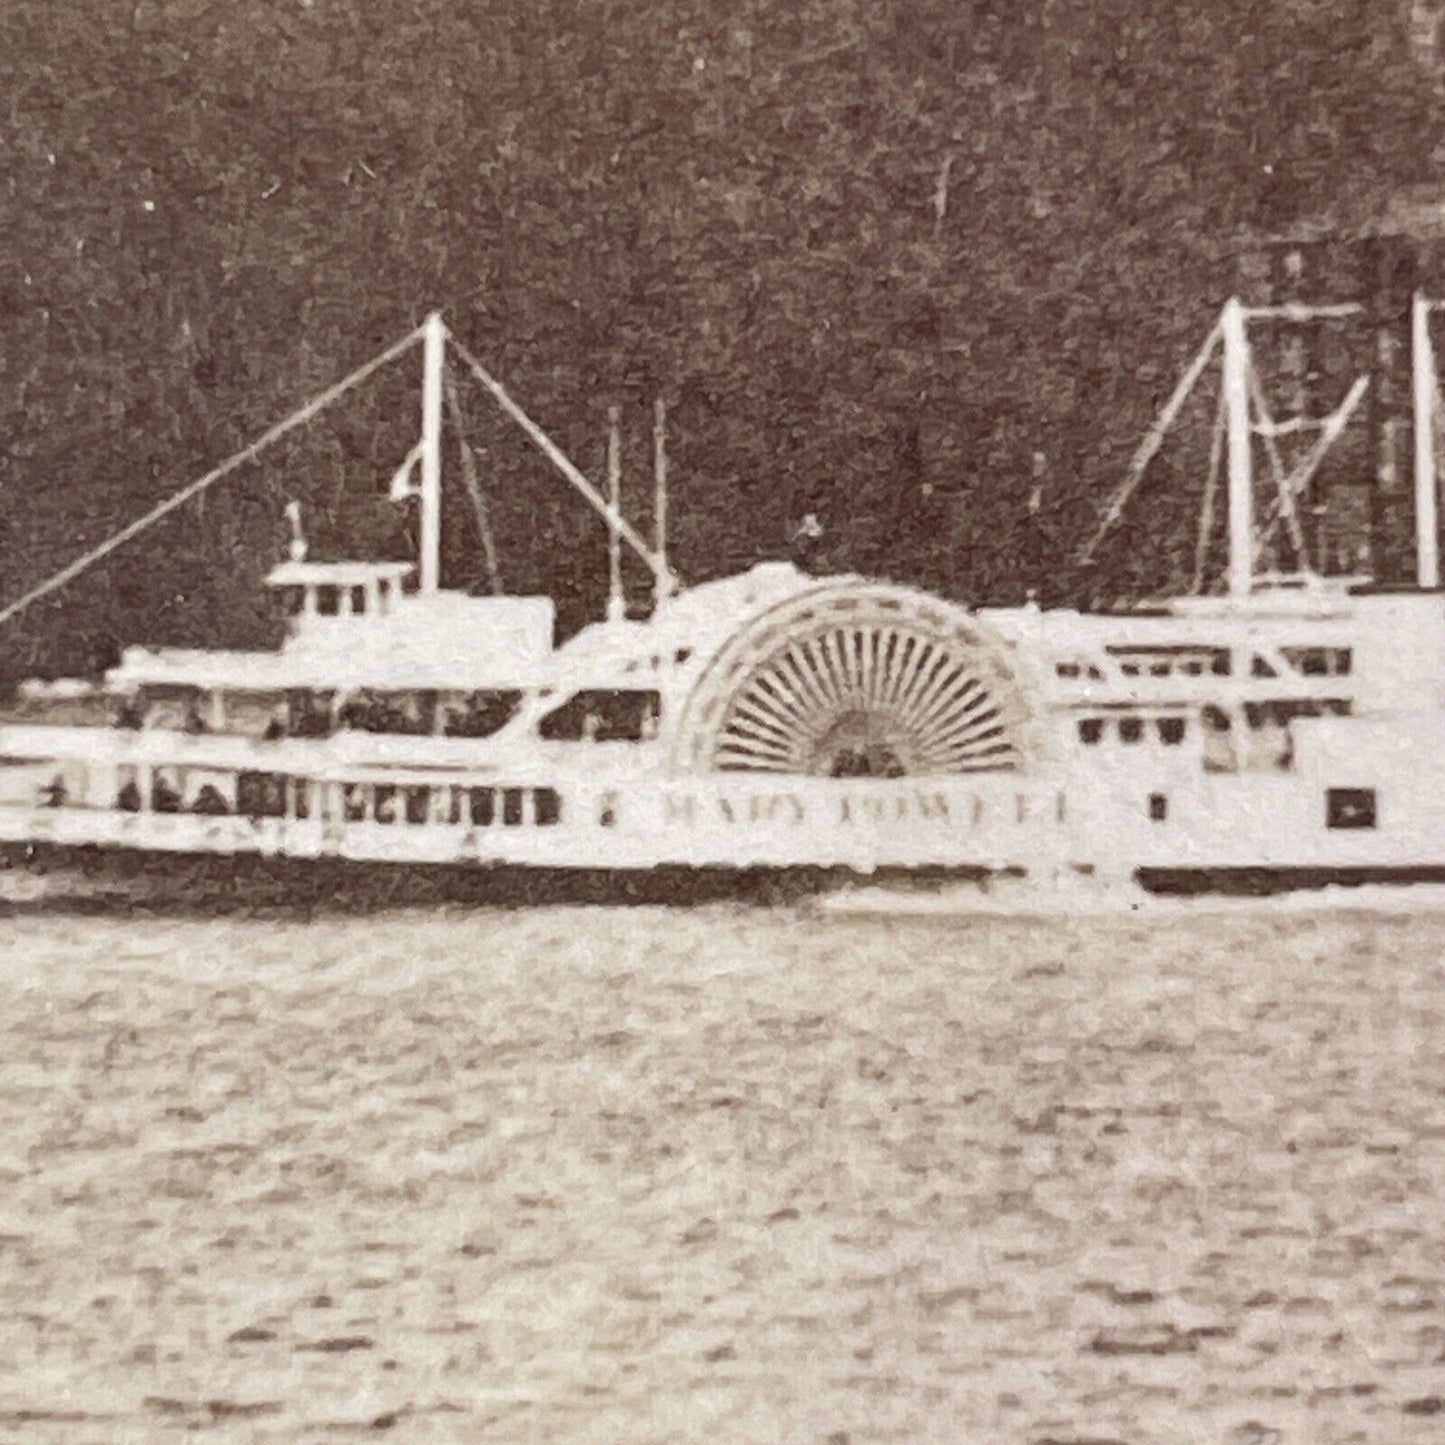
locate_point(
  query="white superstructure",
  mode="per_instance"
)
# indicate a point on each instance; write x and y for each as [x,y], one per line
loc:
[776,720]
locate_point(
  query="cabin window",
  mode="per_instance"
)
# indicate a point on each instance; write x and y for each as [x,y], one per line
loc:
[1350,808]
[210,801]
[418,804]
[511,807]
[127,796]
[328,604]
[408,713]
[1091,729]
[548,807]
[165,793]
[1171,731]
[358,600]
[1320,661]
[301,798]
[261,795]
[55,793]
[604,716]
[130,713]
[482,807]
[1158,807]
[308,714]
[479,714]
[1131,729]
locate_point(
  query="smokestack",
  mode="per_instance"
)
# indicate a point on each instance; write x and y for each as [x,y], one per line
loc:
[1389,281]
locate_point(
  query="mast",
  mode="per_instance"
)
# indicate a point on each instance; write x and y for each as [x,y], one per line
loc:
[1423,376]
[616,602]
[433,360]
[659,507]
[1239,441]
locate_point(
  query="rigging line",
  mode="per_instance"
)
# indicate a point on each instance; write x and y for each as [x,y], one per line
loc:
[1211,492]
[1288,427]
[1330,430]
[665,576]
[301,415]
[1286,507]
[1153,440]
[474,488]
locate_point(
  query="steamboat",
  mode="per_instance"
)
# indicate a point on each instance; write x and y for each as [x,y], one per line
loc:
[1278,724]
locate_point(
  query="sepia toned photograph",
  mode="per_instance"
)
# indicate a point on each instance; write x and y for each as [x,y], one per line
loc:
[722,722]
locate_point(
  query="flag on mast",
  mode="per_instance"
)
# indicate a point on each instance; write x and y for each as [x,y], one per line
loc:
[403,484]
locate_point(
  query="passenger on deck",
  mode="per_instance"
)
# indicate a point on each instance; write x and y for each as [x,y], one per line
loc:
[165,796]
[195,723]
[210,803]
[128,799]
[54,793]
[130,715]
[310,718]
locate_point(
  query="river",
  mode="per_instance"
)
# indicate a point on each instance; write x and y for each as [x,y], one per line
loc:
[724,1174]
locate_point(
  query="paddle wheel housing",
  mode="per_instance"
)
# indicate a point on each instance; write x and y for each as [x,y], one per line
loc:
[853,678]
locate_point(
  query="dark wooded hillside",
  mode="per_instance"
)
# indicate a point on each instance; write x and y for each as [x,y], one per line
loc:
[877,254]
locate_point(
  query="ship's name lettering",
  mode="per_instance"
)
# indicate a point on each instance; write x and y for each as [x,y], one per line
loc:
[791,807]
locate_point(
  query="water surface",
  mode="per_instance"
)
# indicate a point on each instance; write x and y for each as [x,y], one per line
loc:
[722,1174]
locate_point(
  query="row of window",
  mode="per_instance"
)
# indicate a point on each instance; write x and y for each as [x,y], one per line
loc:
[1131,729]
[274,795]
[595,715]
[1171,731]
[1214,661]
[1345,808]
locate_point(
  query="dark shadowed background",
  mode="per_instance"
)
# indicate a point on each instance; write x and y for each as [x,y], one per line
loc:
[892,262]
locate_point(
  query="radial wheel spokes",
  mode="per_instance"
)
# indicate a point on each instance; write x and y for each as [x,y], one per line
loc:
[852,678]
[863,690]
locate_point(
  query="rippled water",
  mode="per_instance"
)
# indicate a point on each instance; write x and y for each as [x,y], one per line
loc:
[630,1176]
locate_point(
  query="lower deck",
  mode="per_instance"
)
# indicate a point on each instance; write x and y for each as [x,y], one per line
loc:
[1105,821]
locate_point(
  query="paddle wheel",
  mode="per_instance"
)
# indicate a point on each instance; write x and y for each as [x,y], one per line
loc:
[859,679]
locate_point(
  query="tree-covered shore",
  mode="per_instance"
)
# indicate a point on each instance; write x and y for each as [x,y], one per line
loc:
[892,262]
